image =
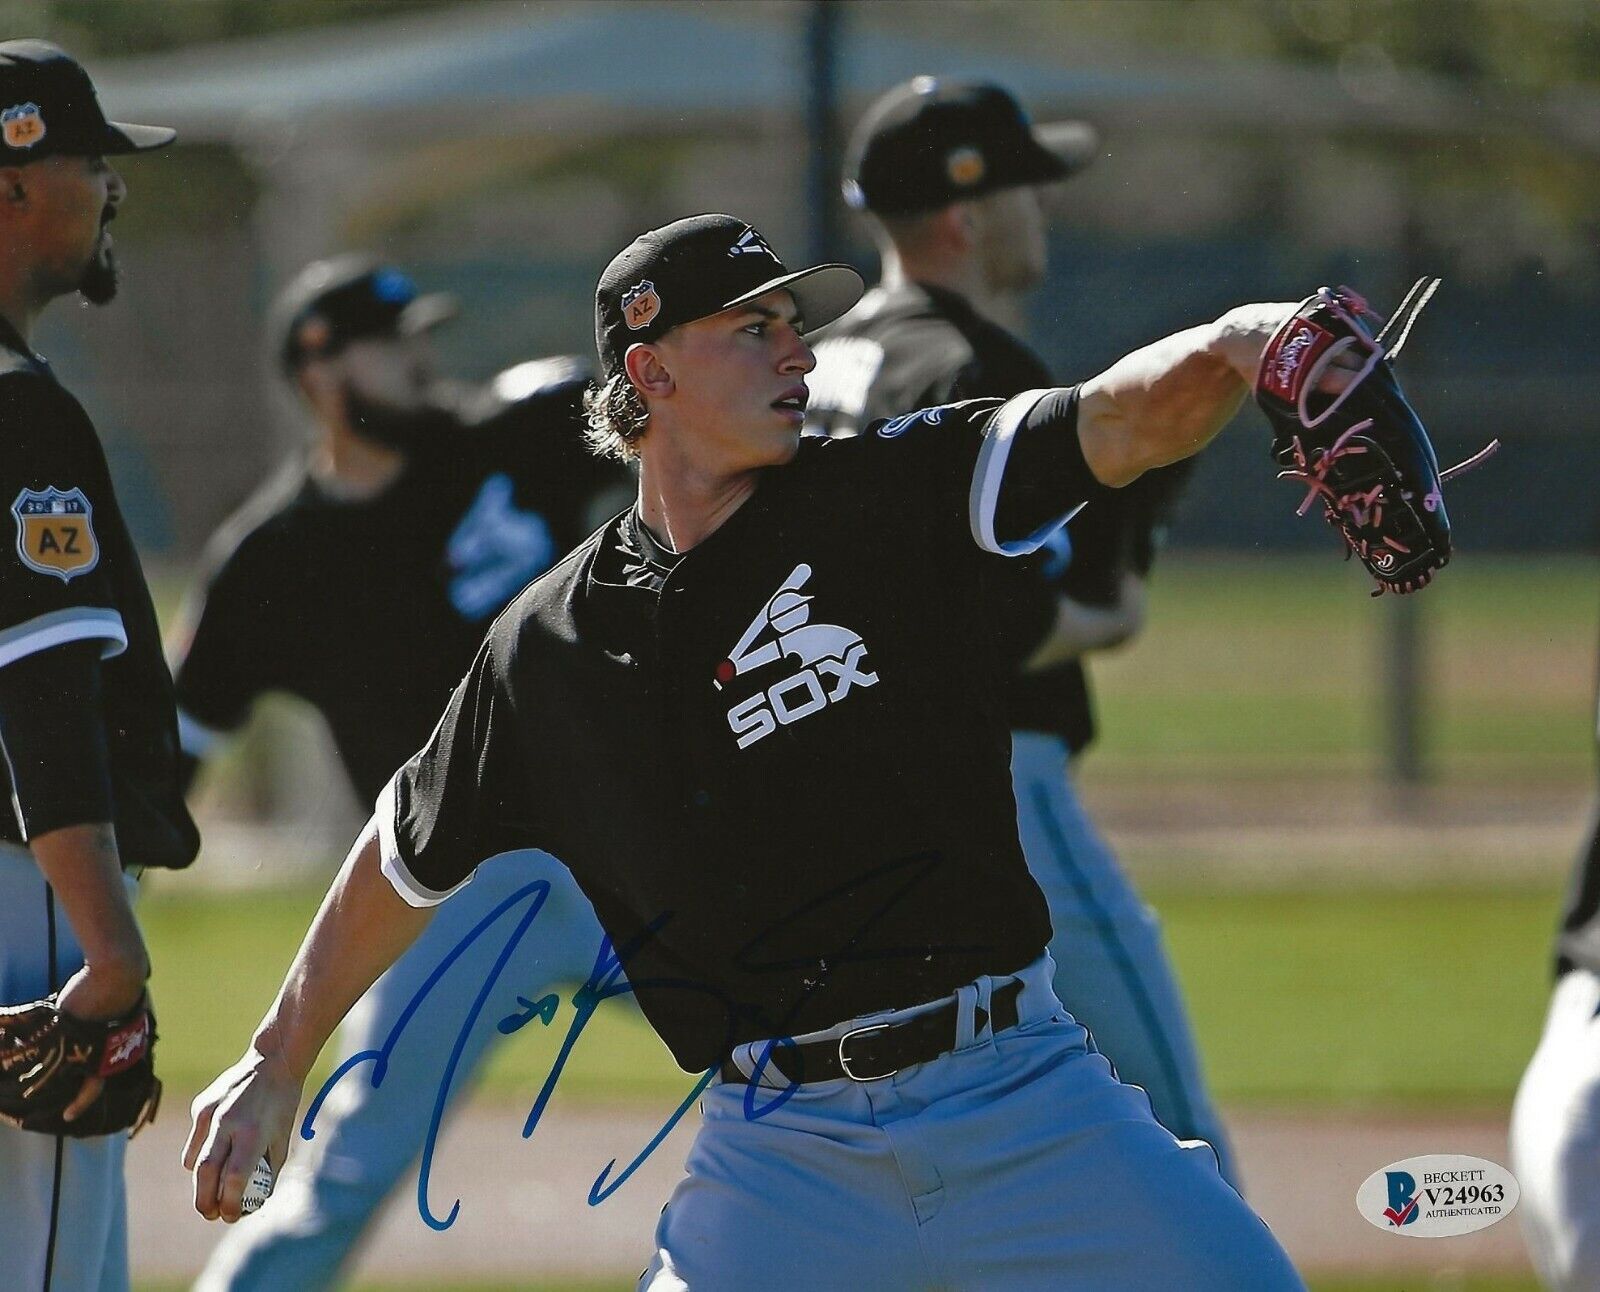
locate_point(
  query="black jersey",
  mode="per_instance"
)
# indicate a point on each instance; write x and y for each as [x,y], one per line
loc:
[1579,942]
[69,573]
[917,345]
[777,765]
[371,610]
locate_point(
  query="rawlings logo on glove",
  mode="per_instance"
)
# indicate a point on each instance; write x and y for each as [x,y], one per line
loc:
[1363,451]
[46,1056]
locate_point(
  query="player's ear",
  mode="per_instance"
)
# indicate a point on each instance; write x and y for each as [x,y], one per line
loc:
[647,372]
[959,225]
[316,382]
[13,189]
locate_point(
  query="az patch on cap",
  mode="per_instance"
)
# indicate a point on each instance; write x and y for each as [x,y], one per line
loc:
[640,304]
[22,125]
[965,166]
[55,532]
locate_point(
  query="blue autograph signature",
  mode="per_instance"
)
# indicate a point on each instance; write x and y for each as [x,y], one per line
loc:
[898,878]
[605,981]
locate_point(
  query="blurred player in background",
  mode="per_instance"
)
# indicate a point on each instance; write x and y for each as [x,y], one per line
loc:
[1555,1122]
[361,580]
[89,768]
[951,173]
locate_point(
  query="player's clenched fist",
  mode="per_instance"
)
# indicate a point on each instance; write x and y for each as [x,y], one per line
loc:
[245,1114]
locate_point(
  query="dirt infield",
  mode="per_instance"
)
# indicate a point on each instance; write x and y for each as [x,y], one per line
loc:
[1289,834]
[524,1211]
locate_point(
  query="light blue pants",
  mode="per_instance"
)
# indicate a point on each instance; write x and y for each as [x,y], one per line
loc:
[1016,1163]
[367,1139]
[62,1205]
[1112,970]
[1555,1139]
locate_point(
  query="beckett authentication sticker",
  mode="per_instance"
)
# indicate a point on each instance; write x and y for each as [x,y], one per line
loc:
[55,532]
[1437,1196]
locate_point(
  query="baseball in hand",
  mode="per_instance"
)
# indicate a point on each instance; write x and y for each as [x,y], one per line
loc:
[259,1189]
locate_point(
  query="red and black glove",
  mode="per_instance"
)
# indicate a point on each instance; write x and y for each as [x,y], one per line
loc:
[46,1055]
[1364,451]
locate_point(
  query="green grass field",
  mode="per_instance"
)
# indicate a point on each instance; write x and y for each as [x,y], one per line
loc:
[1258,667]
[1426,998]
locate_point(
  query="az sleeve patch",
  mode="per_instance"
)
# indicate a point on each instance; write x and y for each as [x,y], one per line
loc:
[55,532]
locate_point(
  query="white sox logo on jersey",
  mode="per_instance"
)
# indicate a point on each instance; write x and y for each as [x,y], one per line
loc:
[846,368]
[900,425]
[829,661]
[496,550]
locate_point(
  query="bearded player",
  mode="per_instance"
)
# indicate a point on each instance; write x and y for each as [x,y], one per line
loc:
[89,768]
[360,580]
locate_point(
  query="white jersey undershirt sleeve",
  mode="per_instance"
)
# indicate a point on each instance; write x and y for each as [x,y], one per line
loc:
[1000,436]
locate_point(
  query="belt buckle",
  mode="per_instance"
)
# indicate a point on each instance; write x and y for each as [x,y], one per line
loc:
[844,1063]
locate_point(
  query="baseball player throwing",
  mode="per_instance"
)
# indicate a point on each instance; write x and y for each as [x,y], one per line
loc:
[360,579]
[950,172]
[810,871]
[89,774]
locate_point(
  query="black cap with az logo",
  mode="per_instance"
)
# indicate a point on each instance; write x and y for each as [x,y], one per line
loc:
[699,266]
[931,142]
[48,107]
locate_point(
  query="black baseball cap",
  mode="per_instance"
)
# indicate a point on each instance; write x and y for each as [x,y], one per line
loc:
[933,141]
[699,266]
[48,108]
[332,302]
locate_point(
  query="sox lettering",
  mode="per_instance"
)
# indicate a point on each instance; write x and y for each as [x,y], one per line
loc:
[823,651]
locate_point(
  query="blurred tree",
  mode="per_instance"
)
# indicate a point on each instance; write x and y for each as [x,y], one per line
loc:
[1520,199]
[1526,44]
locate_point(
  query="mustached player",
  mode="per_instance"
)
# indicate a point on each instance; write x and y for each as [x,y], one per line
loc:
[90,788]
[832,921]
[950,173]
[360,581]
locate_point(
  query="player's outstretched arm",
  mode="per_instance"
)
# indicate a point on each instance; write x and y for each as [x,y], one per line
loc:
[361,928]
[1166,401]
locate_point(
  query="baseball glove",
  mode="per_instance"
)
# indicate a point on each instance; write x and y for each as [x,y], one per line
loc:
[1363,452]
[46,1055]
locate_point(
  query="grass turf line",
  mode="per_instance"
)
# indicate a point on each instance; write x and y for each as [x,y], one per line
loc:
[1424,999]
[1253,666]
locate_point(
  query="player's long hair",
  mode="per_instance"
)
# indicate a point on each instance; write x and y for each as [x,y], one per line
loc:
[614,418]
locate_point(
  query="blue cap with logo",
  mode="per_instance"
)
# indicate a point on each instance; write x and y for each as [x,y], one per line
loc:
[332,302]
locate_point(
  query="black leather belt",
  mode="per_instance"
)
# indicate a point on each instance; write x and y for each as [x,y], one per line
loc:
[880,1050]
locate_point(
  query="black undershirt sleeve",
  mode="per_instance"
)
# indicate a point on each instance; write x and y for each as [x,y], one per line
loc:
[53,738]
[1046,475]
